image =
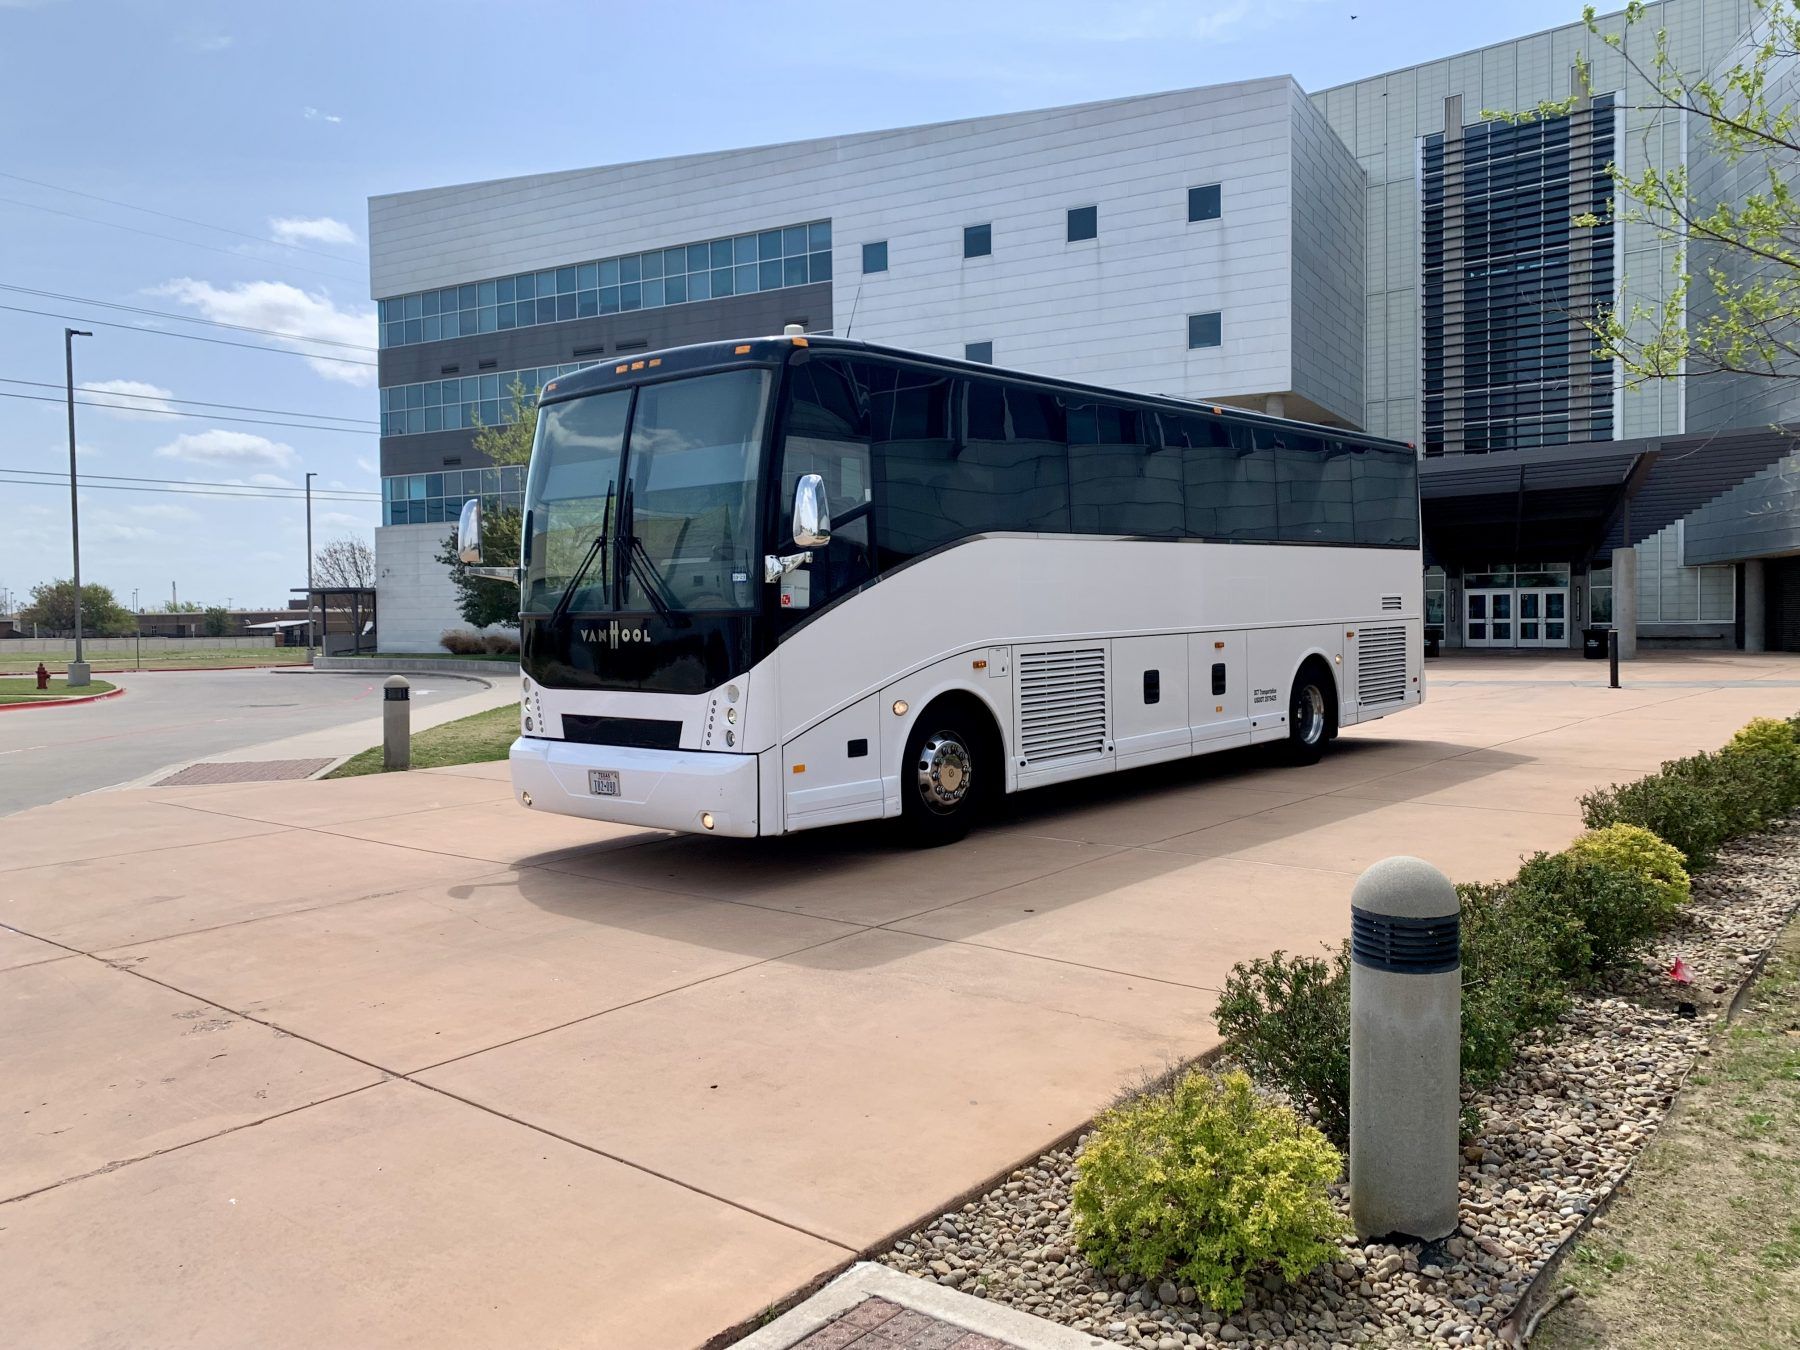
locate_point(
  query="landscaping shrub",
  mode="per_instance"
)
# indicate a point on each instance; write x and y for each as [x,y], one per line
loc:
[1767,750]
[1634,848]
[1592,914]
[461,642]
[1287,1020]
[1510,983]
[1204,1184]
[501,644]
[1693,804]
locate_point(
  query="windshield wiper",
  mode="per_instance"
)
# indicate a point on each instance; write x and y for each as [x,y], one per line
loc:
[649,577]
[567,597]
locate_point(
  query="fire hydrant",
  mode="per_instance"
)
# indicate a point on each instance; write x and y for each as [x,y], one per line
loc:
[43,675]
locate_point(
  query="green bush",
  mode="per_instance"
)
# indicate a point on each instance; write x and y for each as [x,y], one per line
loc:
[1766,748]
[1287,1020]
[1635,849]
[1509,974]
[1204,1184]
[1593,914]
[1689,803]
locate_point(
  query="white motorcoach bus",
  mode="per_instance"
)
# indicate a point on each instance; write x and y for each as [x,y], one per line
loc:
[790,582]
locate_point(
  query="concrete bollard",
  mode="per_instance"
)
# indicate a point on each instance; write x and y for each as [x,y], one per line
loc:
[1405,1051]
[396,723]
[78,675]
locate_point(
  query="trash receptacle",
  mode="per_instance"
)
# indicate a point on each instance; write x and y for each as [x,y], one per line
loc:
[1593,643]
[1434,639]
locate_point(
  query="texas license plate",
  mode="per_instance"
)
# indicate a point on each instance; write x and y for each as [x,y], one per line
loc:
[603,782]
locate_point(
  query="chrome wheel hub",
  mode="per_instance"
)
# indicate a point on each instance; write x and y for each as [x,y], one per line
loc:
[1309,714]
[944,772]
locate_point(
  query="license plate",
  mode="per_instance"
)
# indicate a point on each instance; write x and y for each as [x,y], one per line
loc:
[603,782]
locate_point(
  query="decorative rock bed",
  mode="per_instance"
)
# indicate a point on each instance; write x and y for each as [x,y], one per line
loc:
[1556,1137]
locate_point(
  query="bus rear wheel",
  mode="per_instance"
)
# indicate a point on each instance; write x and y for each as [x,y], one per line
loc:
[1311,717]
[944,779]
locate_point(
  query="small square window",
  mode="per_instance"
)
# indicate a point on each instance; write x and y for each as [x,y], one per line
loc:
[978,241]
[1205,330]
[979,351]
[1084,223]
[1203,202]
[875,256]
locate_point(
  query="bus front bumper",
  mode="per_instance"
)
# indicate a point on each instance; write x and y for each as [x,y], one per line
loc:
[658,789]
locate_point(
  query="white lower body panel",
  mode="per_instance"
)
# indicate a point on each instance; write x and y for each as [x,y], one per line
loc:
[658,789]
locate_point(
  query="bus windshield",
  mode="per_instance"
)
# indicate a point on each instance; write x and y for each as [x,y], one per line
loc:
[672,496]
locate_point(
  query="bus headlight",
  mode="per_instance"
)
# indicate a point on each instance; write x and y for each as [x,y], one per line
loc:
[731,715]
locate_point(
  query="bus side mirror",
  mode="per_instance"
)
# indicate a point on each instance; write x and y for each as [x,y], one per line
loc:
[468,532]
[812,516]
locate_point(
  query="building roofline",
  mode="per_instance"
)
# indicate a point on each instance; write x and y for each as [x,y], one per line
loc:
[840,136]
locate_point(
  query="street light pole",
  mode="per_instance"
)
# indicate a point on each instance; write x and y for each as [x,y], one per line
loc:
[311,636]
[77,672]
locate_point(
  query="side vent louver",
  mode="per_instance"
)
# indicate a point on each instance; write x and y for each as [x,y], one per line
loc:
[1062,703]
[1380,666]
[1390,602]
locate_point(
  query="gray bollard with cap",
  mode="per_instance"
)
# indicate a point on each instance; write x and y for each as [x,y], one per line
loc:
[1405,1051]
[396,723]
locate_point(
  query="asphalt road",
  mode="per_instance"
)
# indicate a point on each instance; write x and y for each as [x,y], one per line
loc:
[166,717]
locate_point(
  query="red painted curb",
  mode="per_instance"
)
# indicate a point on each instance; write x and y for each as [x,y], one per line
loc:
[62,702]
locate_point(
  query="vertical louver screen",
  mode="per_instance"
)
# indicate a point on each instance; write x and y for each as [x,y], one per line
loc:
[1380,666]
[1062,703]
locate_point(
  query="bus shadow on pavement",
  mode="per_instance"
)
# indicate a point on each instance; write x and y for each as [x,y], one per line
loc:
[1215,843]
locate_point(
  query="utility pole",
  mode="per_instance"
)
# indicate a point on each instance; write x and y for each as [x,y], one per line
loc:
[310,643]
[77,673]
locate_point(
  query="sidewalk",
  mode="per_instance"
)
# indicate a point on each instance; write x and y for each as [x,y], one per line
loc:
[336,744]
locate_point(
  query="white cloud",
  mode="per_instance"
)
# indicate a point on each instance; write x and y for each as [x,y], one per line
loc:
[132,400]
[165,511]
[288,309]
[314,115]
[311,230]
[368,466]
[343,520]
[231,449]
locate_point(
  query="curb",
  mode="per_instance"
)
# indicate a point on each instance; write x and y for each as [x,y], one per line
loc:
[63,702]
[181,670]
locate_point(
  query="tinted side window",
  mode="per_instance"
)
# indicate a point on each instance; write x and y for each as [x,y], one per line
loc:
[827,433]
[914,452]
[1119,483]
[1010,473]
[1312,476]
[1384,484]
[1229,488]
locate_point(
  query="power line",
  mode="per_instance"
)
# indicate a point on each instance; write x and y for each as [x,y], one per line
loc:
[183,492]
[170,238]
[185,220]
[191,318]
[60,477]
[191,402]
[195,416]
[190,337]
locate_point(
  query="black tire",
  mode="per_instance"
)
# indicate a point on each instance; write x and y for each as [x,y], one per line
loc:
[947,777]
[1312,714]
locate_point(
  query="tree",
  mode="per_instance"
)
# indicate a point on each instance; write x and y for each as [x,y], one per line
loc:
[344,562]
[52,609]
[1733,303]
[217,622]
[483,602]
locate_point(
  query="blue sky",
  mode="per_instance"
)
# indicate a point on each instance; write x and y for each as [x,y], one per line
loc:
[274,124]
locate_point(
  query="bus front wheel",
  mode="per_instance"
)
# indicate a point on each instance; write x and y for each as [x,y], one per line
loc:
[944,780]
[1312,719]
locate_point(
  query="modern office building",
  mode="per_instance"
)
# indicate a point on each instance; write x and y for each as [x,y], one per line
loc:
[1377,255]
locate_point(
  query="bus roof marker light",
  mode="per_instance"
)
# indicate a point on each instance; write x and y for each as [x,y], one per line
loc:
[655,361]
[621,368]
[637,365]
[742,349]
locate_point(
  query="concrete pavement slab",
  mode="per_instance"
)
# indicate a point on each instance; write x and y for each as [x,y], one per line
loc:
[433,972]
[126,898]
[78,828]
[499,830]
[98,1066]
[851,1088]
[858,874]
[1126,813]
[393,1219]
[18,949]
[1350,834]
[1204,914]
[333,801]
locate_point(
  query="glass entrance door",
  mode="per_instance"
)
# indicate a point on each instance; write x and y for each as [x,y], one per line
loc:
[1488,618]
[1543,618]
